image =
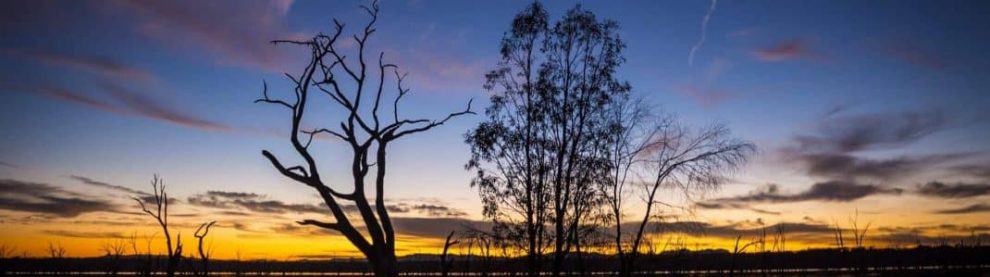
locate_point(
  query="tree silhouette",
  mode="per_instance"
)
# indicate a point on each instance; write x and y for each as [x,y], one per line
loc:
[681,159]
[6,254]
[367,132]
[511,170]
[445,262]
[113,251]
[204,255]
[160,214]
[542,149]
[145,264]
[631,134]
[56,250]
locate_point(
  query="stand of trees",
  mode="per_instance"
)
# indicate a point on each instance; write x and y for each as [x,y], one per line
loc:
[564,136]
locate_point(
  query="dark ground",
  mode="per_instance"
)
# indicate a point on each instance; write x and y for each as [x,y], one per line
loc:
[919,261]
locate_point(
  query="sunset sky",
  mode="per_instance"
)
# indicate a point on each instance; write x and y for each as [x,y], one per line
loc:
[875,107]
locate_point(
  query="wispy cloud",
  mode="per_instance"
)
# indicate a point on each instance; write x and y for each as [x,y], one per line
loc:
[707,97]
[8,164]
[240,202]
[833,150]
[440,72]
[437,210]
[144,106]
[844,166]
[106,67]
[785,50]
[234,32]
[974,170]
[834,191]
[435,227]
[975,208]
[250,202]
[100,184]
[47,199]
[63,94]
[733,230]
[872,131]
[909,52]
[127,103]
[958,190]
[713,205]
[85,234]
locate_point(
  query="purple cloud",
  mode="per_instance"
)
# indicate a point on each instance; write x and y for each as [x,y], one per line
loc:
[93,64]
[785,50]
[149,108]
[76,98]
[910,53]
[130,104]
[707,97]
[236,32]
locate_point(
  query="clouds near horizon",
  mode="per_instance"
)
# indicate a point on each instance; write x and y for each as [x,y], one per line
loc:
[47,199]
[974,208]
[957,190]
[831,191]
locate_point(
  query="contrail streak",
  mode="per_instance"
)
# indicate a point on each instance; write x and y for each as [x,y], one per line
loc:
[704,26]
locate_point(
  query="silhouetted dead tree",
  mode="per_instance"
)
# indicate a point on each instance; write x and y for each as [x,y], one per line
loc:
[644,143]
[237,257]
[445,263]
[204,255]
[113,251]
[56,254]
[629,137]
[146,259]
[56,250]
[678,158]
[859,235]
[840,242]
[6,253]
[739,250]
[485,242]
[367,132]
[780,239]
[160,213]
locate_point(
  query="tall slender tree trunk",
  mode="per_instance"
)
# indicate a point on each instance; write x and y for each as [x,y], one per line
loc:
[532,261]
[387,265]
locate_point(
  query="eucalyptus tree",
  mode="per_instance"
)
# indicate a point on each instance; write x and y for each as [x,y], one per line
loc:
[543,146]
[507,150]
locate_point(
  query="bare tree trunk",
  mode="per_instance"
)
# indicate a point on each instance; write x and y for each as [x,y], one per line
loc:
[445,264]
[204,256]
[161,216]
[364,130]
